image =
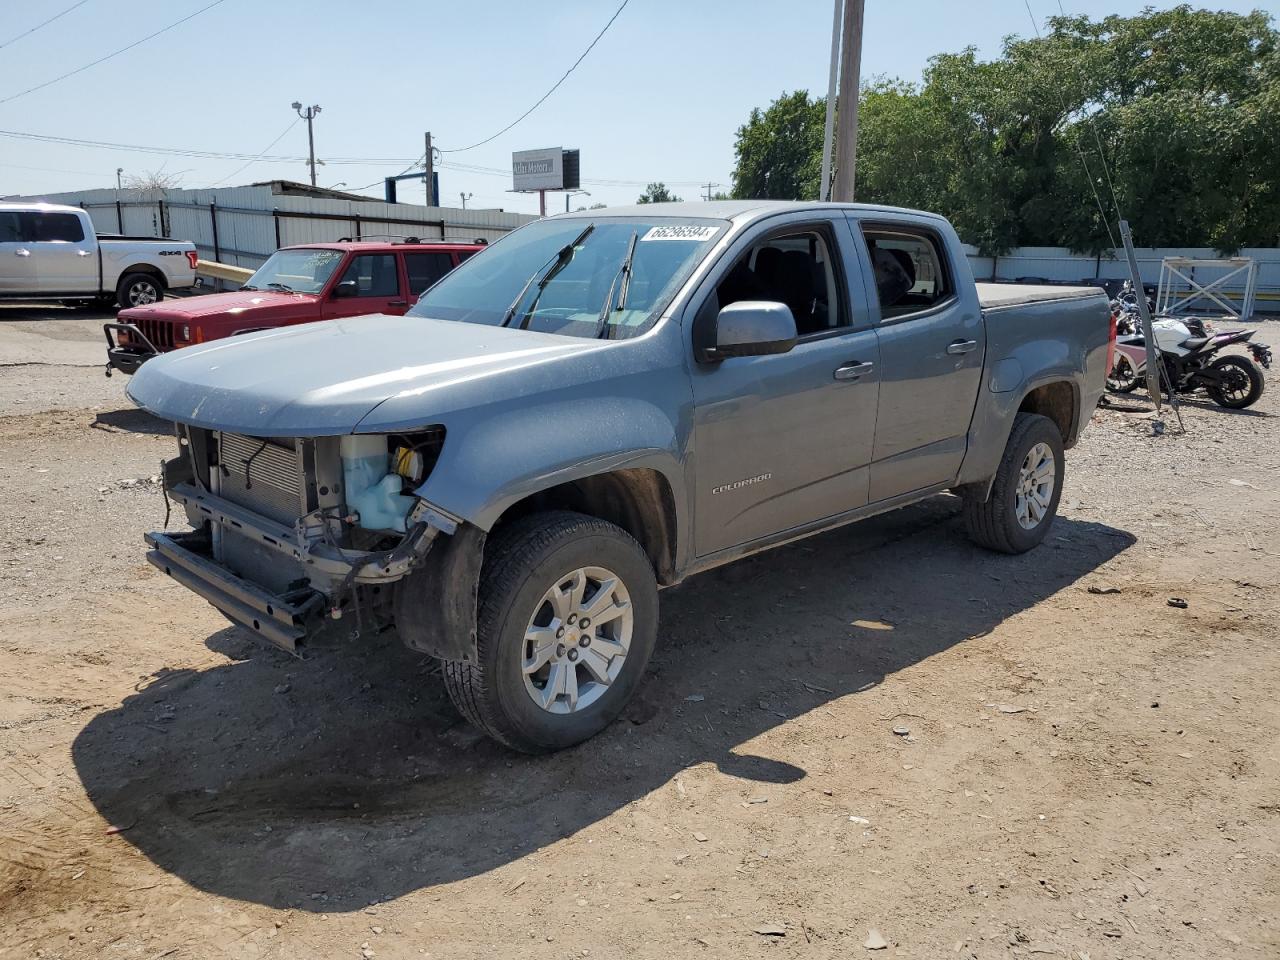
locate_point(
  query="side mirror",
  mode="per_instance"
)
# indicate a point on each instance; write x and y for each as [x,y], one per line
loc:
[752,328]
[347,288]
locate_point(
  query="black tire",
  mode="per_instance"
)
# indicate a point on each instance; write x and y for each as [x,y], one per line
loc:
[522,562]
[1122,378]
[993,523]
[1240,369]
[138,289]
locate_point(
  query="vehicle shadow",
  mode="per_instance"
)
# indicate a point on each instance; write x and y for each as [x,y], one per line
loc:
[329,783]
[131,421]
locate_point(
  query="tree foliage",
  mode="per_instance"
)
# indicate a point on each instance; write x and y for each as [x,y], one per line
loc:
[657,193]
[1170,117]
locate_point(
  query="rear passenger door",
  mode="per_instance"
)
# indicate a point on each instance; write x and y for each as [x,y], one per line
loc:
[65,256]
[423,269]
[373,280]
[931,354]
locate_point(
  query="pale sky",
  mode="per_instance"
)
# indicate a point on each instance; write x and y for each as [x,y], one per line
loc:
[659,98]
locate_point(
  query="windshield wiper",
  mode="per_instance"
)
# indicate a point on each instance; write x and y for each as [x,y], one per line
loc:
[556,264]
[280,286]
[248,287]
[624,271]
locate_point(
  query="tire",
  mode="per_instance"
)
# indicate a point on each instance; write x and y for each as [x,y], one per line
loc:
[525,564]
[1244,369]
[1122,378]
[994,523]
[139,289]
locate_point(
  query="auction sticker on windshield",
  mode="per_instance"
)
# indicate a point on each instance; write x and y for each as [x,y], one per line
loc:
[686,232]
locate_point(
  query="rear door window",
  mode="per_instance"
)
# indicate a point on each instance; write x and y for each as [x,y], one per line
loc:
[910,271]
[424,269]
[58,228]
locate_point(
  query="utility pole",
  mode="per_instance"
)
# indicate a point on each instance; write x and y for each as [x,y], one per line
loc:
[119,183]
[465,197]
[847,119]
[309,115]
[431,171]
[824,188]
[709,187]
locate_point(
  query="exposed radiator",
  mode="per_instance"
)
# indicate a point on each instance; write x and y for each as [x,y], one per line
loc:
[262,475]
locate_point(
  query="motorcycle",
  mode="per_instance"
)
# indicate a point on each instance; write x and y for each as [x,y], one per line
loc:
[1190,351]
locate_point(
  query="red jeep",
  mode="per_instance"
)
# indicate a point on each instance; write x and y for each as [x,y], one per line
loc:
[321,281]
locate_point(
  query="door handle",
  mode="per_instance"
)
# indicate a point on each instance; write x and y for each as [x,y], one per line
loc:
[962,346]
[397,303]
[853,371]
[21,253]
[84,253]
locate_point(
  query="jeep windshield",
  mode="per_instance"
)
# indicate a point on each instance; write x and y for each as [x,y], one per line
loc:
[296,271]
[608,278]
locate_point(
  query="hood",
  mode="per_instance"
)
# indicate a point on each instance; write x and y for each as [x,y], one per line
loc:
[277,303]
[322,379]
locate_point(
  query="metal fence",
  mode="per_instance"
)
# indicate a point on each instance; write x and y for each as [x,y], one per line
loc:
[1060,265]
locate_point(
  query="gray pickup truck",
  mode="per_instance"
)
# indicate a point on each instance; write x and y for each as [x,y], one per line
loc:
[602,404]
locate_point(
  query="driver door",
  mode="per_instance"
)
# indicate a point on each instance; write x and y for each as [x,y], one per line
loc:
[373,280]
[785,440]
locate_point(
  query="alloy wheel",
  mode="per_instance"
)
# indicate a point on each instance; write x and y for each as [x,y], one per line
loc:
[577,640]
[1034,492]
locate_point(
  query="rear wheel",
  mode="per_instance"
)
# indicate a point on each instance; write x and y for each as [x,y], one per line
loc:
[1242,382]
[1025,492]
[138,290]
[1122,378]
[568,616]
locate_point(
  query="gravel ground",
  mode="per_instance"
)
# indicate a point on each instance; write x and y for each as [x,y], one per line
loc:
[1086,773]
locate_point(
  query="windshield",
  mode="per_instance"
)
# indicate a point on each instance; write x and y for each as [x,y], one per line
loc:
[296,271]
[605,278]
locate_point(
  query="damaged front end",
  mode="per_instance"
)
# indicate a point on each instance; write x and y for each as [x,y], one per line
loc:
[292,533]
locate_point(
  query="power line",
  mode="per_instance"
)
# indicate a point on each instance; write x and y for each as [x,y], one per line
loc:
[109,56]
[44,23]
[259,156]
[553,89]
[1062,101]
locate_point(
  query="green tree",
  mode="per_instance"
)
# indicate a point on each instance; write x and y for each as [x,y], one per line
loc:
[1169,117]
[657,193]
[779,150]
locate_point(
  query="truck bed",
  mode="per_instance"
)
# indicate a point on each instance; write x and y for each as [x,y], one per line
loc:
[995,295]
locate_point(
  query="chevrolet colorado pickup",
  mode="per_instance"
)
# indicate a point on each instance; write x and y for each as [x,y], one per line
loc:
[51,252]
[603,404]
[322,281]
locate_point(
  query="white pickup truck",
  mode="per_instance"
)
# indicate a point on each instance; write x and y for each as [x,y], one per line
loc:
[51,252]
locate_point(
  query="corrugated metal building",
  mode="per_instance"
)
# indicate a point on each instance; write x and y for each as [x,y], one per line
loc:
[243,226]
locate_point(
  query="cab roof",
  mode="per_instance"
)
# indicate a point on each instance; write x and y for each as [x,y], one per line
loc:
[387,246]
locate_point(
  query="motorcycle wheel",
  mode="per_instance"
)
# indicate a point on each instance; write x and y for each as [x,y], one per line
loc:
[1122,378]
[1242,384]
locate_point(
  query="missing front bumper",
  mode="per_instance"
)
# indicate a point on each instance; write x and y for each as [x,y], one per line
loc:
[285,619]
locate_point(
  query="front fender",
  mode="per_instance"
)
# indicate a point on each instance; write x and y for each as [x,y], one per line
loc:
[487,466]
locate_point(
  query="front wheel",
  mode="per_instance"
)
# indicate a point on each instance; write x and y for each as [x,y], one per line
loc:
[568,616]
[138,290]
[1025,493]
[1241,382]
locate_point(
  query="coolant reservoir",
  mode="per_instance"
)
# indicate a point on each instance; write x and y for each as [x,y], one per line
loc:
[372,492]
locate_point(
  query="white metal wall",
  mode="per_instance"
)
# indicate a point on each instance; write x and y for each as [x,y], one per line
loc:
[1060,264]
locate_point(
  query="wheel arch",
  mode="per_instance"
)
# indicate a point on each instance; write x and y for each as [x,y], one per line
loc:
[640,500]
[1059,401]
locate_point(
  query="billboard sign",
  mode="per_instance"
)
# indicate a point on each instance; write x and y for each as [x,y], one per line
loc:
[538,169]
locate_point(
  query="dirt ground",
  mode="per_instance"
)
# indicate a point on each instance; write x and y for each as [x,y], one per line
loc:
[1086,775]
